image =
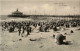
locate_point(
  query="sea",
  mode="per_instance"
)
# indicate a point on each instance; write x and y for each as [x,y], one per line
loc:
[36,19]
[6,18]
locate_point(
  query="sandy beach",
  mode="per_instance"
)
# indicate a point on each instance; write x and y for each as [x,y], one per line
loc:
[44,42]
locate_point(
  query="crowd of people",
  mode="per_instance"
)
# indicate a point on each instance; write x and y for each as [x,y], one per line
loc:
[43,26]
[30,26]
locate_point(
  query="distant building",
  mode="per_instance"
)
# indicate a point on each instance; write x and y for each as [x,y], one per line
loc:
[17,13]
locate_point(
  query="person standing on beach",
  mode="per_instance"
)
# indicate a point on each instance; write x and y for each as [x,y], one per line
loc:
[19,29]
[28,30]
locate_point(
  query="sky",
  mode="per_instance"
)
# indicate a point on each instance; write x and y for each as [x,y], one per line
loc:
[41,7]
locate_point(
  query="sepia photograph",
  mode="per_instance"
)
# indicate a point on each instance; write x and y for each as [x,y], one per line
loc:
[39,25]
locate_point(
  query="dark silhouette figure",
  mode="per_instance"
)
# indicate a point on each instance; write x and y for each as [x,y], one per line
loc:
[28,30]
[11,29]
[19,29]
[72,31]
[55,28]
[60,39]
[41,29]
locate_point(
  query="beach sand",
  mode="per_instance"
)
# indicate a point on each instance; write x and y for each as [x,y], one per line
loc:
[44,42]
